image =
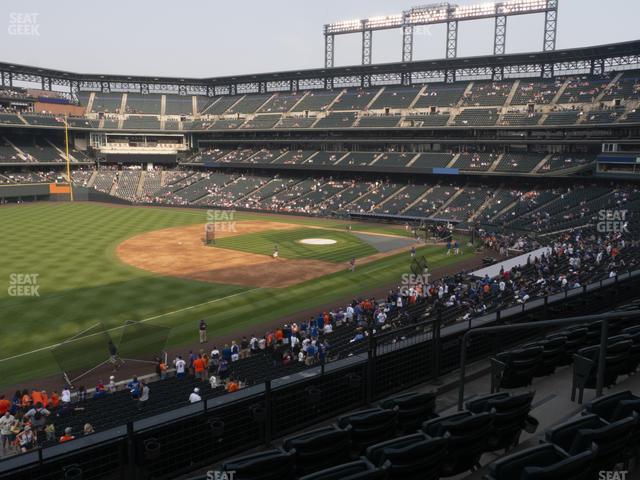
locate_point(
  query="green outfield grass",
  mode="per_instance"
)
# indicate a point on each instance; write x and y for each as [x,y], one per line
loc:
[71,249]
[289,246]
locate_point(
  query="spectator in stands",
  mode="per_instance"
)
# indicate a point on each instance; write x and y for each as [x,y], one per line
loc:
[195,397]
[112,384]
[26,439]
[6,422]
[144,395]
[5,405]
[100,390]
[50,431]
[232,386]
[199,368]
[134,388]
[88,429]
[223,369]
[15,403]
[54,401]
[180,366]
[161,369]
[68,435]
[65,396]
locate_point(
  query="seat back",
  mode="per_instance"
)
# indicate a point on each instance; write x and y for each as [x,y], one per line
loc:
[413,409]
[606,406]
[320,448]
[576,467]
[269,465]
[422,460]
[610,439]
[375,452]
[563,435]
[358,470]
[511,466]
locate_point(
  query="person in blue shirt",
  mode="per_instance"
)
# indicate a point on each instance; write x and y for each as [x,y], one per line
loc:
[449,247]
[134,387]
[226,353]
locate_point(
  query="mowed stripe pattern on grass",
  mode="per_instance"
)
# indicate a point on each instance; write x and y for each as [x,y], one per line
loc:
[288,241]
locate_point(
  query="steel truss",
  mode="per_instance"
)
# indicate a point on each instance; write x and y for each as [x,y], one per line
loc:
[450,14]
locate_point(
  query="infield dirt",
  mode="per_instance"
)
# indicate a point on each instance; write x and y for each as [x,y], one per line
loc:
[180,252]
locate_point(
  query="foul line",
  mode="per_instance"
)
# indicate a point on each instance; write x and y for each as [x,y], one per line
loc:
[73,339]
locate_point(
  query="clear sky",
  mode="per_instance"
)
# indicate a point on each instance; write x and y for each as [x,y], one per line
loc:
[206,38]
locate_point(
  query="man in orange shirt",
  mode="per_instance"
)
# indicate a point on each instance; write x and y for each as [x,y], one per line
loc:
[25,402]
[198,367]
[36,398]
[232,386]
[55,400]
[5,405]
[67,435]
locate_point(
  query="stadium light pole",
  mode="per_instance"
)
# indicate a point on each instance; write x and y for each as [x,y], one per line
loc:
[449,14]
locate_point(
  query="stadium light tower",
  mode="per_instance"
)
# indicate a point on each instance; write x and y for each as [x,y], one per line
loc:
[448,13]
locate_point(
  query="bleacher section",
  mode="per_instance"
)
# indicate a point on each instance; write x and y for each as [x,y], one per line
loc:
[386,121]
[10,118]
[487,94]
[433,120]
[42,120]
[477,117]
[281,103]
[519,162]
[178,105]
[539,93]
[567,117]
[262,122]
[436,95]
[396,98]
[140,103]
[337,120]
[296,122]
[476,161]
[432,160]
[107,102]
[315,101]
[355,99]
[140,122]
[583,90]
[249,104]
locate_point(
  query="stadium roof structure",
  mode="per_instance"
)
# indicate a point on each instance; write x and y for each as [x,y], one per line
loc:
[584,60]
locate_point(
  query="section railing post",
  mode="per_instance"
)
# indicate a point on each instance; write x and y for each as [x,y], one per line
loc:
[131,453]
[602,358]
[463,364]
[267,412]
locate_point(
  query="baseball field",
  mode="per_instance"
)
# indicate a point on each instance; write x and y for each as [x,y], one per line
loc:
[67,267]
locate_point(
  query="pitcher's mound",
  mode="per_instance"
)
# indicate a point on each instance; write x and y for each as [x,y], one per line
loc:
[318,241]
